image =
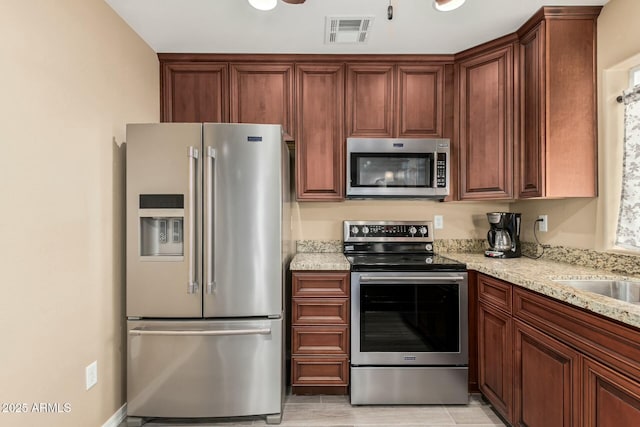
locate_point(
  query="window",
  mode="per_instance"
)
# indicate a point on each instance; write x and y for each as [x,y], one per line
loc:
[628,231]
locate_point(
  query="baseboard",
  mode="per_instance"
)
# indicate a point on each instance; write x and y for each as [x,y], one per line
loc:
[117,418]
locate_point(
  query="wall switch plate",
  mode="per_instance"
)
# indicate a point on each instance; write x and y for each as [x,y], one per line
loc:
[543,225]
[91,374]
[438,222]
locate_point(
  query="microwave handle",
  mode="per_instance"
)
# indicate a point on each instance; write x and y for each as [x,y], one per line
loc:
[434,168]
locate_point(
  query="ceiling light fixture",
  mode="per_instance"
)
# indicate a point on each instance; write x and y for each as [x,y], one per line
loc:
[263,4]
[447,5]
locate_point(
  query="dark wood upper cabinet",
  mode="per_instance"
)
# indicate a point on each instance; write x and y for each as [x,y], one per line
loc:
[395,100]
[370,99]
[262,93]
[520,110]
[557,152]
[194,92]
[320,138]
[486,120]
[420,105]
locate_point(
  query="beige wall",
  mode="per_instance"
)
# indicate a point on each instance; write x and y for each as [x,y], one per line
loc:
[73,73]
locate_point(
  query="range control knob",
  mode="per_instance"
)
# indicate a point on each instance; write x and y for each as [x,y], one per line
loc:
[429,260]
[365,230]
[412,230]
[354,230]
[423,230]
[428,247]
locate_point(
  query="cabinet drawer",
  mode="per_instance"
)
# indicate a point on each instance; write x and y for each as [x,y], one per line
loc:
[320,340]
[320,311]
[321,284]
[319,371]
[604,340]
[495,292]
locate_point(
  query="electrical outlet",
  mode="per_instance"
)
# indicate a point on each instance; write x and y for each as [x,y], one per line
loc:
[438,222]
[91,374]
[543,225]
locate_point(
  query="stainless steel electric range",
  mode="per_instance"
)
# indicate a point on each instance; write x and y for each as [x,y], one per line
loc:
[409,331]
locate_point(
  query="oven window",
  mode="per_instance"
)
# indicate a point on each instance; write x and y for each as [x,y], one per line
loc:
[391,170]
[409,318]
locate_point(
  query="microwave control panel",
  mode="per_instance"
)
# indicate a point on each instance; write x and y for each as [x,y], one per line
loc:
[441,170]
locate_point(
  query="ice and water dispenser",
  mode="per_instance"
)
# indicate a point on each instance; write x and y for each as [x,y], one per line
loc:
[161,227]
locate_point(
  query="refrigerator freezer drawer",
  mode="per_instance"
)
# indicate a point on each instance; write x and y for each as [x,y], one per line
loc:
[193,369]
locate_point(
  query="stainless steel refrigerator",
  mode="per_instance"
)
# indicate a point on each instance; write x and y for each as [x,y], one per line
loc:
[208,228]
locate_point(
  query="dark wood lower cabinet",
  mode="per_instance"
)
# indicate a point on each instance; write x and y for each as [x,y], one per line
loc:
[544,363]
[546,380]
[320,332]
[610,399]
[495,358]
[320,371]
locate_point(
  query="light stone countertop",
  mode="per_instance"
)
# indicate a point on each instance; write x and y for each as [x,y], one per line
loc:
[320,261]
[538,275]
[535,275]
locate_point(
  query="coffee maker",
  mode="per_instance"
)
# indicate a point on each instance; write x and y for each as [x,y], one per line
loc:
[504,235]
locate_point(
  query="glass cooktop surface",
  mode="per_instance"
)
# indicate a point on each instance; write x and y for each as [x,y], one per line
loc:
[403,262]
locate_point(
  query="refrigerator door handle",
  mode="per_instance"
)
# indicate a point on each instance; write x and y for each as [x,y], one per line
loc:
[192,284]
[204,332]
[210,274]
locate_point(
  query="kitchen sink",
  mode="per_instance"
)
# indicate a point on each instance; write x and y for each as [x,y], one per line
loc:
[619,289]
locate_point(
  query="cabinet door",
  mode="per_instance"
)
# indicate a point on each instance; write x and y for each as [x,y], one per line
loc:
[532,114]
[558,155]
[610,399]
[262,93]
[546,375]
[320,142]
[495,351]
[420,110]
[486,125]
[370,100]
[194,93]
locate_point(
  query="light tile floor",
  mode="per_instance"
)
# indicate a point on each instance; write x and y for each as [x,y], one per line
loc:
[335,411]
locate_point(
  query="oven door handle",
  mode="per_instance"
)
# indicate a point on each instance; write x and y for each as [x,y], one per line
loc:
[410,279]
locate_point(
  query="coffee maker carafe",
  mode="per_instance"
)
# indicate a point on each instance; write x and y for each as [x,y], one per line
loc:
[504,235]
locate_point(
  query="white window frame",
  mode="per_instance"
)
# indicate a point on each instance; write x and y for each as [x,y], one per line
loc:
[634,76]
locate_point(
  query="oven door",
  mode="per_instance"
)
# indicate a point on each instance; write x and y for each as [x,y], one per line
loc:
[409,318]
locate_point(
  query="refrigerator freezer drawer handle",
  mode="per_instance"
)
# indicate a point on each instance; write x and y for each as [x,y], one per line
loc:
[209,333]
[192,287]
[211,287]
[192,284]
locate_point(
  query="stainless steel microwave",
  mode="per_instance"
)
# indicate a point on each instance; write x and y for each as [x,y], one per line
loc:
[398,168]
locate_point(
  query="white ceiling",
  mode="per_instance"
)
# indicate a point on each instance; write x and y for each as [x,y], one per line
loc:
[232,26]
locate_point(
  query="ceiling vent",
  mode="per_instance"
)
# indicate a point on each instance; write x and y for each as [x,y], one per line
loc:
[347,29]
